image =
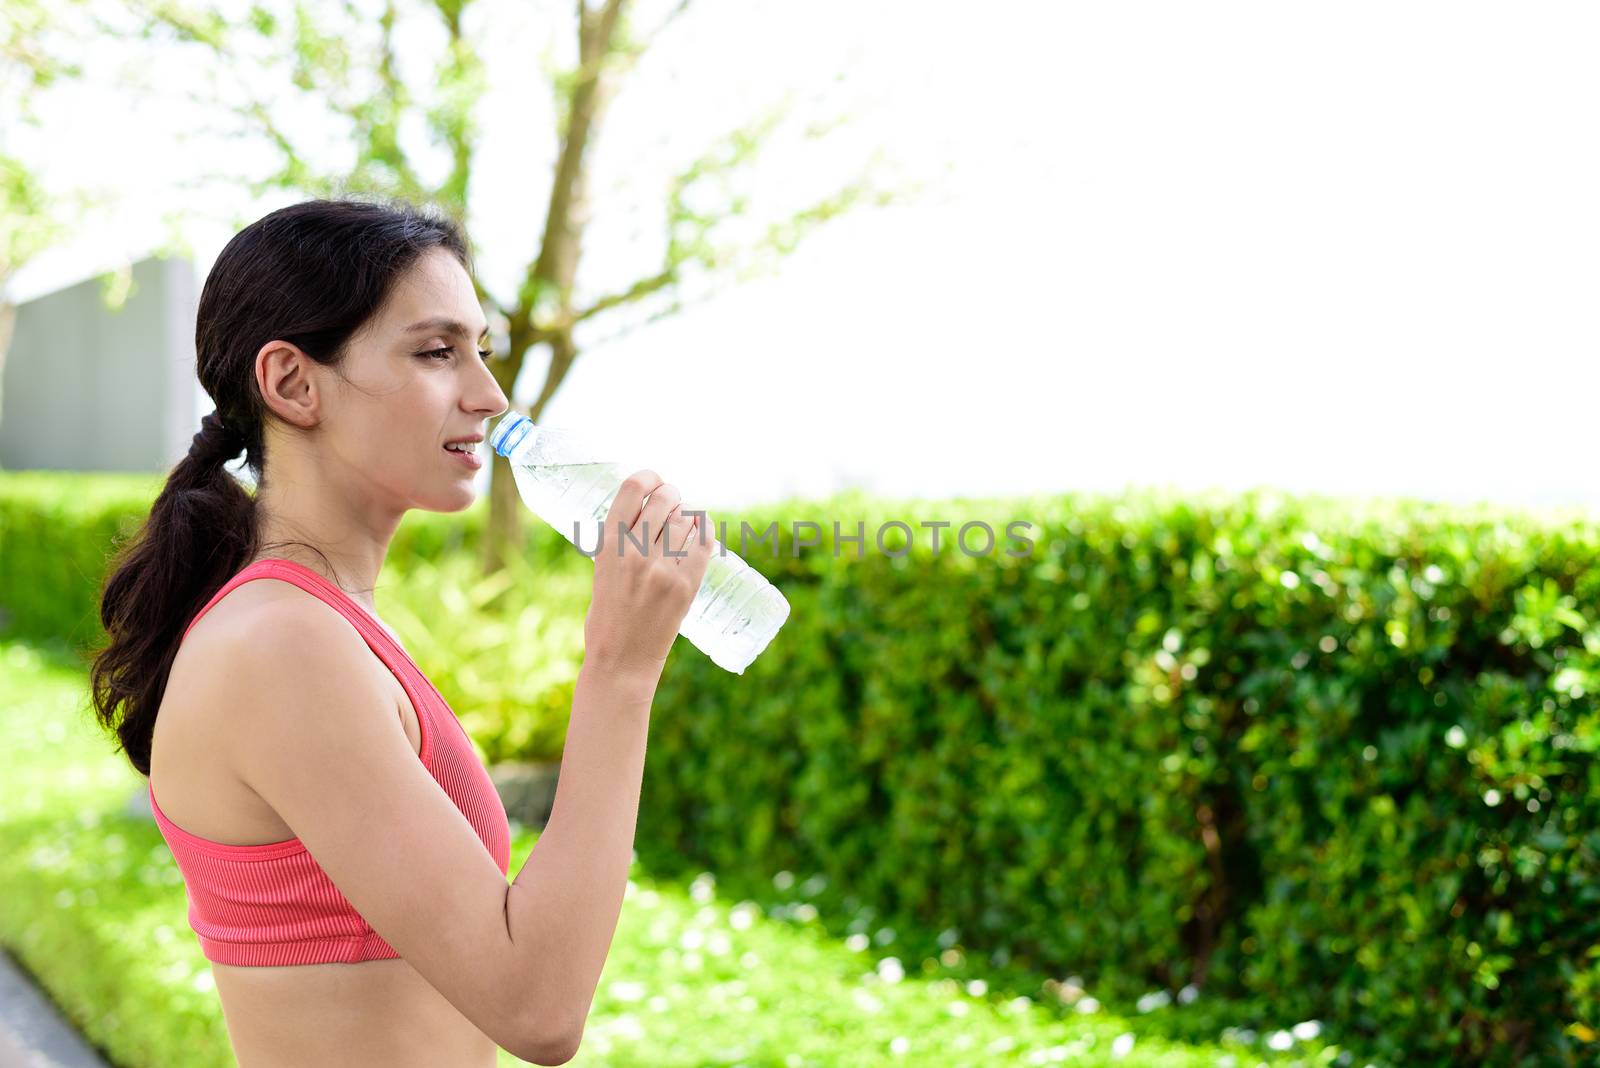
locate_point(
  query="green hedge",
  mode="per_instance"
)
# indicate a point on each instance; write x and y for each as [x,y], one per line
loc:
[1335,756]
[55,533]
[1330,757]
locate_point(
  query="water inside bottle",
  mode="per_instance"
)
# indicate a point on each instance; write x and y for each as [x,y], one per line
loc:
[561,493]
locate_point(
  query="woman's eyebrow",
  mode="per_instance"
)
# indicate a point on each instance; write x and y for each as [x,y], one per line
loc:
[447,325]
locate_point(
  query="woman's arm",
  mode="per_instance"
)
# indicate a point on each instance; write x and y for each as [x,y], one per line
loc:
[563,907]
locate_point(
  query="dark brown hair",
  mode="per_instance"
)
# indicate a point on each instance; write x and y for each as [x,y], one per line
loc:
[311,274]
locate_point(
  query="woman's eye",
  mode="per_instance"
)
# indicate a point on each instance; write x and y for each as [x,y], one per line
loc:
[445,353]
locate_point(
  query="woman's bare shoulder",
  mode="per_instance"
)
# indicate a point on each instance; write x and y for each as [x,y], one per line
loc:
[251,607]
[215,678]
[265,618]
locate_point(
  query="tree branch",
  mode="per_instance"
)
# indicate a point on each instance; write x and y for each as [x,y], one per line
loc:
[557,262]
[642,288]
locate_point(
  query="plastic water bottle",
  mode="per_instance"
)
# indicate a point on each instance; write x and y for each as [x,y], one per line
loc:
[736,611]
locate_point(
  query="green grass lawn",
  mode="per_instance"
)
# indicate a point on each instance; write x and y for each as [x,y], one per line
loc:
[92,904]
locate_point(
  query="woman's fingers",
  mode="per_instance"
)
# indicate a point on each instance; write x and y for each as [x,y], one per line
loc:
[653,518]
[629,501]
[680,530]
[697,537]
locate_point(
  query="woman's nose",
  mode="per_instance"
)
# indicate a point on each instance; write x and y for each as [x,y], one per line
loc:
[492,400]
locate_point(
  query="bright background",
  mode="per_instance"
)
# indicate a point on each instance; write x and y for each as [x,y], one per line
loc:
[1349,249]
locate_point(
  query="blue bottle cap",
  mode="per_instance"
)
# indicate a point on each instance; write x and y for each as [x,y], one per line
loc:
[510,432]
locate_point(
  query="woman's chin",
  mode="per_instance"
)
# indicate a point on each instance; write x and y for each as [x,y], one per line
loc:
[459,499]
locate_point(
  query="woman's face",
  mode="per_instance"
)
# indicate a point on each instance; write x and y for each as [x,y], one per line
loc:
[411,382]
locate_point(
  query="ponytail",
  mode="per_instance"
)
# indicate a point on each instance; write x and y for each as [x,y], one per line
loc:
[200,531]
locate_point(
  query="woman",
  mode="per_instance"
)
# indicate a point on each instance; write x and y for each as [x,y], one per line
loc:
[343,851]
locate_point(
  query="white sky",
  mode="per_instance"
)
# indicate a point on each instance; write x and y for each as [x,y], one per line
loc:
[1351,248]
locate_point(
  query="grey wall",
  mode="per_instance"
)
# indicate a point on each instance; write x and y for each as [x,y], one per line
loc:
[85,388]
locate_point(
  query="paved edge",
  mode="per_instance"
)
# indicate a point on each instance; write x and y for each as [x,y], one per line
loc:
[33,1033]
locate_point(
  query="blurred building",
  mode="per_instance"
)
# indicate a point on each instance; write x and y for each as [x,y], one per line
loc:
[88,387]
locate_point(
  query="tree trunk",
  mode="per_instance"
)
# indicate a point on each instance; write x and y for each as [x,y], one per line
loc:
[556,268]
[503,528]
[503,532]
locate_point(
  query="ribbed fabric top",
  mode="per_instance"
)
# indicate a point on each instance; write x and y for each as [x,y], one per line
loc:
[272,904]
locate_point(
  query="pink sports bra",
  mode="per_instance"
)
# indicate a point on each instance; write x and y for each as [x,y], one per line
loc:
[272,904]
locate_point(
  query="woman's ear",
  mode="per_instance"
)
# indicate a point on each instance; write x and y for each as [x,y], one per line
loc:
[289,383]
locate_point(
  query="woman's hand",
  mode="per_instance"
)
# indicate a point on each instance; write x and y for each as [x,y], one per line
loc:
[641,595]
